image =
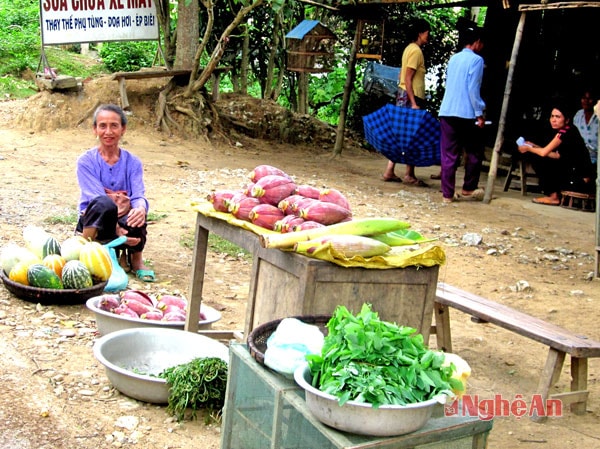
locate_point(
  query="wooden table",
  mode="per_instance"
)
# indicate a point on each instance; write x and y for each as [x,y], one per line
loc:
[287,284]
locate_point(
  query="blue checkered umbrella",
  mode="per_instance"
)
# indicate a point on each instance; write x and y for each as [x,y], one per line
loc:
[404,135]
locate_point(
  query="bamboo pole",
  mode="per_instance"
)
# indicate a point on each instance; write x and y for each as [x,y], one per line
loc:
[502,120]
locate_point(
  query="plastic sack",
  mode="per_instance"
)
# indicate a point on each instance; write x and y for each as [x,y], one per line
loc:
[380,79]
[290,343]
[118,278]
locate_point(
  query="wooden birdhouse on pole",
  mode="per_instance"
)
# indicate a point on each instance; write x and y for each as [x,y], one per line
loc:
[310,48]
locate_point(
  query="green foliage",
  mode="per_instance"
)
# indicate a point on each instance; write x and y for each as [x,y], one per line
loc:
[69,218]
[325,94]
[12,87]
[19,35]
[198,384]
[128,56]
[366,359]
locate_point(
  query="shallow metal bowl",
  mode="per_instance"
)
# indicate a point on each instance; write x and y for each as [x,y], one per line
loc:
[362,418]
[133,358]
[108,322]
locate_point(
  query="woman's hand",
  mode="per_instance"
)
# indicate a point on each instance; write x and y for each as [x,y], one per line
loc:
[523,148]
[136,217]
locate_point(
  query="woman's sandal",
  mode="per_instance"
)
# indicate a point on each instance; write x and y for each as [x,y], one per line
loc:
[475,195]
[414,182]
[546,200]
[145,275]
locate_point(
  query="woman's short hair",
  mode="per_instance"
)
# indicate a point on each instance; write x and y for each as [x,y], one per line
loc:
[112,108]
[417,27]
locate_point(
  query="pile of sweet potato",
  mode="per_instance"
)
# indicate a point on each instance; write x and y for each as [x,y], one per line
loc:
[273,200]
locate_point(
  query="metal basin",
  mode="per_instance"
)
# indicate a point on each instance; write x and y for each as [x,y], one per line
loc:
[361,418]
[134,357]
[108,322]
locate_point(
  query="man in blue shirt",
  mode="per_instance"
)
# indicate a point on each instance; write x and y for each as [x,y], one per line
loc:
[461,119]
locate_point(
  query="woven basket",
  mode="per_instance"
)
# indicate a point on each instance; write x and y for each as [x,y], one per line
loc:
[257,339]
[49,295]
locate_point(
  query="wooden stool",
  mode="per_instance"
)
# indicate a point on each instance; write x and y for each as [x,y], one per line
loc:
[578,201]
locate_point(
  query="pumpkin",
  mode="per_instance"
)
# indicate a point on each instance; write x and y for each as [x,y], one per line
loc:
[75,275]
[35,239]
[96,259]
[41,276]
[18,273]
[51,246]
[55,262]
[71,247]
[12,254]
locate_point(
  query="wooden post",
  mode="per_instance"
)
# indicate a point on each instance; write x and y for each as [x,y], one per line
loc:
[489,190]
[348,86]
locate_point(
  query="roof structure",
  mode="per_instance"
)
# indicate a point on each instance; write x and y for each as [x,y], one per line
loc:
[302,29]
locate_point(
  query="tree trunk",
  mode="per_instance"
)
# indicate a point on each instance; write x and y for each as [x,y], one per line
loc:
[219,49]
[245,60]
[169,40]
[272,57]
[188,31]
[339,138]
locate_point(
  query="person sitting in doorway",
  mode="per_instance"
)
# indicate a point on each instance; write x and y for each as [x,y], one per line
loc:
[112,201]
[587,123]
[564,162]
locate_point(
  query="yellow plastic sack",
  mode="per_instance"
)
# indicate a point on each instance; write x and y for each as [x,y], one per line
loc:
[399,257]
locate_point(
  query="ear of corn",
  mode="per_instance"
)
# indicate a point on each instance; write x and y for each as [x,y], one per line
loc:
[344,244]
[364,226]
[402,238]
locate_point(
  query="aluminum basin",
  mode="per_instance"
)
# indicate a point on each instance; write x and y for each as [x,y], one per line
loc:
[133,357]
[108,322]
[361,418]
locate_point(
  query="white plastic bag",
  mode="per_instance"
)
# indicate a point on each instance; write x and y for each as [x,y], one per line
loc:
[290,343]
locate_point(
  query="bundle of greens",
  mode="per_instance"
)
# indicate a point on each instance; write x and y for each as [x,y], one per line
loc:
[198,384]
[365,359]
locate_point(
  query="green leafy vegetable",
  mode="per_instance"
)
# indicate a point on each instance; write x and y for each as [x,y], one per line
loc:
[365,359]
[198,384]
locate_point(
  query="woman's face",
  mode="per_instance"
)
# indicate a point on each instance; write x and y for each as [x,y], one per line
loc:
[108,128]
[557,119]
[587,102]
[423,38]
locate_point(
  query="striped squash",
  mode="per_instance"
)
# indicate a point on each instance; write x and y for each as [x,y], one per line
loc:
[55,262]
[96,259]
[75,275]
[51,246]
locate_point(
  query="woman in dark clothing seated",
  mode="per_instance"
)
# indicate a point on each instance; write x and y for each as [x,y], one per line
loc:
[564,163]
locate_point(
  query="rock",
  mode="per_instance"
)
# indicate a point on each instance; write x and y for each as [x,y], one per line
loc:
[472,239]
[127,422]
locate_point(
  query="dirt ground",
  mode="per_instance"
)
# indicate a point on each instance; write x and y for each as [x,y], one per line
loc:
[56,395]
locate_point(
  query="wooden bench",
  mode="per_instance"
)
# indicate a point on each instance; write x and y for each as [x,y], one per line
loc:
[121,77]
[559,340]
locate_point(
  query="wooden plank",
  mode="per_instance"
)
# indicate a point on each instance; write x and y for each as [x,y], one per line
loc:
[572,398]
[521,323]
[123,92]
[149,74]
[579,375]
[549,376]
[442,327]
[559,5]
